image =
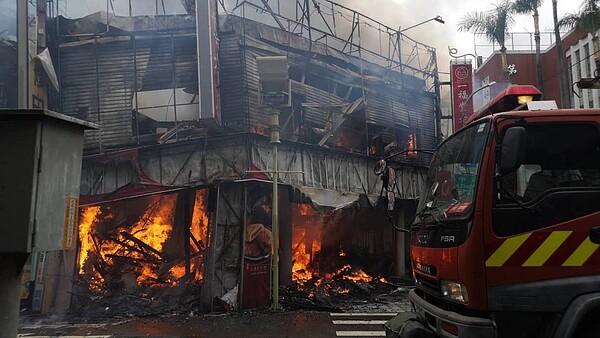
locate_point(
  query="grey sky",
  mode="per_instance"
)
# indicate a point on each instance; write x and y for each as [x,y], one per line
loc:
[394,13]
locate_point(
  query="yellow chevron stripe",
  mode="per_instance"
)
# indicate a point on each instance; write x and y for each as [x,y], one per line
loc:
[582,253]
[547,248]
[506,250]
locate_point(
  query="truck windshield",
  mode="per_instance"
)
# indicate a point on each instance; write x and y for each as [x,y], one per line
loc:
[451,179]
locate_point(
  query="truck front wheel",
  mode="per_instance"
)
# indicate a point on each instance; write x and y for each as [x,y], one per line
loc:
[589,326]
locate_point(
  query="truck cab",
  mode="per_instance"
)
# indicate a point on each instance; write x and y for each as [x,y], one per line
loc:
[505,239]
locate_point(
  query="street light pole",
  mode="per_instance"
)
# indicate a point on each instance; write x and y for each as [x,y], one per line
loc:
[438,18]
[274,93]
[274,126]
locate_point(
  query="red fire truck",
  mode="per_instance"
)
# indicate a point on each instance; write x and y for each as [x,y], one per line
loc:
[506,236]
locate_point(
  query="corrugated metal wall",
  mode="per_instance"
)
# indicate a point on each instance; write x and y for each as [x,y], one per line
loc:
[385,105]
[97,85]
[234,108]
[98,80]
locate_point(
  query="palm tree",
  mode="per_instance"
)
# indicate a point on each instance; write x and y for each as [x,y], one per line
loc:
[587,19]
[565,91]
[532,6]
[494,24]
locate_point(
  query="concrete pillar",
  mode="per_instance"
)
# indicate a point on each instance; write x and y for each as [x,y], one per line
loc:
[210,253]
[11,266]
[400,242]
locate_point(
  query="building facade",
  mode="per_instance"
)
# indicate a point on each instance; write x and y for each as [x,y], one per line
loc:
[575,44]
[159,166]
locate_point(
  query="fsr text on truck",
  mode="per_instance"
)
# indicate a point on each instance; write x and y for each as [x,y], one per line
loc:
[506,236]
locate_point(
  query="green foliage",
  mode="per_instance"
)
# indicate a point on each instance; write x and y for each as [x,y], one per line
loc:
[586,19]
[527,6]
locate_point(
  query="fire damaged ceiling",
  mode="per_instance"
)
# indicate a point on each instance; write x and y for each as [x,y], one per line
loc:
[341,97]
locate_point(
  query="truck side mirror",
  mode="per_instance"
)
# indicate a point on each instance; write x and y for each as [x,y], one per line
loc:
[512,149]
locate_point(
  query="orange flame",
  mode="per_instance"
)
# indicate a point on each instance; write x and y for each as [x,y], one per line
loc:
[89,216]
[112,245]
[412,145]
[307,232]
[199,230]
[358,276]
[178,271]
[306,242]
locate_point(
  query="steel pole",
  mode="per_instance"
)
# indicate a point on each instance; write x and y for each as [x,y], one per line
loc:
[23,56]
[274,125]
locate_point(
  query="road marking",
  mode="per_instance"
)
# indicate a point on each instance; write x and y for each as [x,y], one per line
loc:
[363,314]
[359,322]
[360,333]
[366,318]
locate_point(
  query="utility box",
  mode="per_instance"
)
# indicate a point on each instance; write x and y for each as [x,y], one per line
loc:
[40,171]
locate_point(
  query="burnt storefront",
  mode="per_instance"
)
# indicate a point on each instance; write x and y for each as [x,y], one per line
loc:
[169,199]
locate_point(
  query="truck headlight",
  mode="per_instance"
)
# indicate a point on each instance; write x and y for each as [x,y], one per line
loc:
[454,291]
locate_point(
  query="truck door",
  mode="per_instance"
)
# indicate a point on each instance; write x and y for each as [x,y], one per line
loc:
[542,247]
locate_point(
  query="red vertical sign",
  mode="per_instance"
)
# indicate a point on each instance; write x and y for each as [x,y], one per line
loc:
[462,88]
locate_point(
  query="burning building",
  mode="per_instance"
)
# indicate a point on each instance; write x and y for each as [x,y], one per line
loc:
[167,192]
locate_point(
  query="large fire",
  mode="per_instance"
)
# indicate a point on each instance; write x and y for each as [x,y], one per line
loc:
[311,265]
[198,233]
[114,243]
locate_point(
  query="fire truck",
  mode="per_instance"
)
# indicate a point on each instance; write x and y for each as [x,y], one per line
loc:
[505,239]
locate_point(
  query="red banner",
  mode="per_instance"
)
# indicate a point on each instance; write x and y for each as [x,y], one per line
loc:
[462,88]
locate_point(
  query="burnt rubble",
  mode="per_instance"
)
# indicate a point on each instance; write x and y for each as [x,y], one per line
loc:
[179,300]
[341,292]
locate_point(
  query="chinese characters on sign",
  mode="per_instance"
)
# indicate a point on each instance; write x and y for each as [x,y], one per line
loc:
[462,88]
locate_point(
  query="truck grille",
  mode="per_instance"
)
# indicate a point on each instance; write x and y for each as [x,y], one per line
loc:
[428,285]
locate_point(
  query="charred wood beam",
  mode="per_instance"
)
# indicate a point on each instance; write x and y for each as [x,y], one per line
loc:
[152,209]
[101,270]
[141,244]
[131,260]
[300,242]
[338,123]
[98,250]
[128,246]
[199,244]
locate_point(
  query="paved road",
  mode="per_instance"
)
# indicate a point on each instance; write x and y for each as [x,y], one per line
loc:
[345,324]
[356,320]
[284,324]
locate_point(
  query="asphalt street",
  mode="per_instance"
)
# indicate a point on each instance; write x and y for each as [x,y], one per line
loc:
[359,320]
